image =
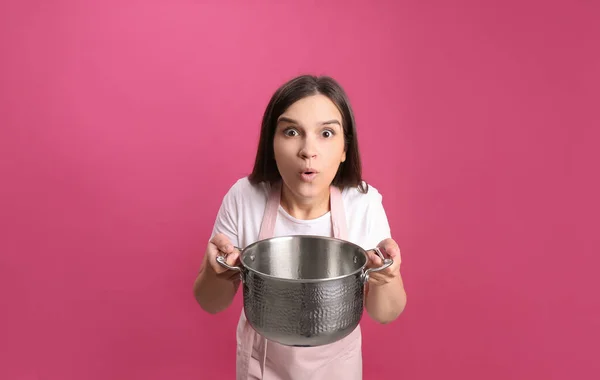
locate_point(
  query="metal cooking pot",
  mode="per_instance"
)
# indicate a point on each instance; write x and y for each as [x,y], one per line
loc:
[304,290]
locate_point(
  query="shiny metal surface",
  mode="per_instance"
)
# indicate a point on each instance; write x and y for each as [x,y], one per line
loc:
[297,314]
[304,258]
[304,290]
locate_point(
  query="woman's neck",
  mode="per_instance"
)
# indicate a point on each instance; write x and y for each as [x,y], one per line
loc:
[304,208]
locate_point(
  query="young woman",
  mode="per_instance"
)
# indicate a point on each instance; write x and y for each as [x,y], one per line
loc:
[307,160]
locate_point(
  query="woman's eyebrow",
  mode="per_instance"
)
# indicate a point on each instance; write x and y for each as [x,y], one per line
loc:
[287,119]
[292,121]
[332,121]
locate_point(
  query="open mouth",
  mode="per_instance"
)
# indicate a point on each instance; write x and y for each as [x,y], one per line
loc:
[308,174]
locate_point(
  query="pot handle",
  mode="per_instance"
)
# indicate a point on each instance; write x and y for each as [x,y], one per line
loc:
[386,264]
[221,260]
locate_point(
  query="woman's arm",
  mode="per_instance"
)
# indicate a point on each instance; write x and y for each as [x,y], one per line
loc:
[385,297]
[216,286]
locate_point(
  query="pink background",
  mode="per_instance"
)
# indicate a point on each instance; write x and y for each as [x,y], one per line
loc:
[123,125]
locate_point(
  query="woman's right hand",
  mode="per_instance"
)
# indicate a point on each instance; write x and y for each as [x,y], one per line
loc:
[220,245]
[215,286]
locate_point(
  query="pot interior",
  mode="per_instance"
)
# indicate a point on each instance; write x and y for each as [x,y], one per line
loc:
[304,257]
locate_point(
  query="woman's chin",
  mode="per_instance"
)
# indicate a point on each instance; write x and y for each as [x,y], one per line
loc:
[306,189]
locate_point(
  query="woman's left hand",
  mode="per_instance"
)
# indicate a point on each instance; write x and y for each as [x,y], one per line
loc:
[389,248]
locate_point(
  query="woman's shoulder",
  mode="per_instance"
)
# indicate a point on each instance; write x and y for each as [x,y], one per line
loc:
[365,214]
[364,195]
[242,188]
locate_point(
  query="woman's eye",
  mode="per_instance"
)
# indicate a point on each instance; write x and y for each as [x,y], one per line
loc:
[291,132]
[327,134]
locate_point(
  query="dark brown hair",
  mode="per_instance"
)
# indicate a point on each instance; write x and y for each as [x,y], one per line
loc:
[265,169]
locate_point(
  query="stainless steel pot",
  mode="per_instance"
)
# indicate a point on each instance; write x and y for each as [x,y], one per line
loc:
[304,290]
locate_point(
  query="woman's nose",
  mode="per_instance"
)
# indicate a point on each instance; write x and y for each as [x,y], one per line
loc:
[307,153]
[308,149]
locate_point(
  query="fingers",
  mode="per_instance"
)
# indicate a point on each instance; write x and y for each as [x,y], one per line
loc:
[388,248]
[223,244]
[374,259]
[386,275]
[377,279]
[211,256]
[220,245]
[232,258]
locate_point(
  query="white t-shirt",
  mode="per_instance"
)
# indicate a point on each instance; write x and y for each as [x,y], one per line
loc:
[241,213]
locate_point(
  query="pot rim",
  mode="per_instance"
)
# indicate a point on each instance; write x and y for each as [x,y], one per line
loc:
[303,281]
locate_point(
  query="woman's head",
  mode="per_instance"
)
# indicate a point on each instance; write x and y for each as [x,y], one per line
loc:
[308,138]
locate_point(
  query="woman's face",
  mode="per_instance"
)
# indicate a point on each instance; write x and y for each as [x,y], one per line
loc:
[309,146]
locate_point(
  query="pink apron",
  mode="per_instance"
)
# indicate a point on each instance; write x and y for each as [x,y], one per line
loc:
[339,360]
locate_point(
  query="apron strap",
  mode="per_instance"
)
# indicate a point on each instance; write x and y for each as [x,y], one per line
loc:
[338,216]
[267,227]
